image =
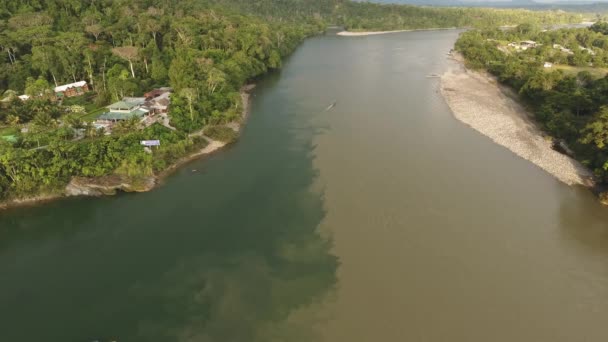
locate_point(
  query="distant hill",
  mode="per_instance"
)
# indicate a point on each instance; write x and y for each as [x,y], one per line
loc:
[578,6]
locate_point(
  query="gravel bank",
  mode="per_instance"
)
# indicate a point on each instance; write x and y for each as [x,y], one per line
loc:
[372,33]
[477,100]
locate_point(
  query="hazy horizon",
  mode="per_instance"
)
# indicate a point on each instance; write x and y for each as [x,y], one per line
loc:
[491,1]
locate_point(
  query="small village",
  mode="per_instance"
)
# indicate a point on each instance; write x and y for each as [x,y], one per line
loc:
[570,58]
[148,109]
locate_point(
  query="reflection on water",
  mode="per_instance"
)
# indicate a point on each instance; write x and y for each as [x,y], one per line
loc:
[383,219]
[584,222]
[228,256]
[441,234]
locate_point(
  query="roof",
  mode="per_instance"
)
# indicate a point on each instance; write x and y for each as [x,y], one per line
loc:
[139,112]
[156,92]
[71,85]
[123,105]
[135,100]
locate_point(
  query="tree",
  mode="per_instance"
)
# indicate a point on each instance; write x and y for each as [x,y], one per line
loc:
[182,72]
[190,95]
[69,49]
[39,87]
[74,121]
[45,60]
[159,71]
[95,30]
[129,53]
[126,126]
[119,83]
[596,131]
[12,120]
[43,121]
[215,78]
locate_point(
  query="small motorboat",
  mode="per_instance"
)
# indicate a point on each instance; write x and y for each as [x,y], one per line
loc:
[331,106]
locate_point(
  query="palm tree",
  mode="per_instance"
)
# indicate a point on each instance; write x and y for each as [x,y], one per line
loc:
[90,130]
[9,94]
[74,121]
[12,120]
[128,125]
[43,120]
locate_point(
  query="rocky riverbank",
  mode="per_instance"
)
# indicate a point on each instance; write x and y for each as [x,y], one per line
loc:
[479,101]
[112,184]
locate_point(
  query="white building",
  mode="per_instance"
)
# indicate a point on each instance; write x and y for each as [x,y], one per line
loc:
[563,49]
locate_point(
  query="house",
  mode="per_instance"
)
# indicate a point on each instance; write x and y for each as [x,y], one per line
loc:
[548,65]
[140,101]
[523,45]
[157,92]
[589,51]
[528,44]
[563,49]
[159,104]
[128,108]
[72,89]
[158,100]
[154,102]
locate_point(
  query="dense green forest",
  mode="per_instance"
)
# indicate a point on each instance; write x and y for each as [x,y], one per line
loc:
[368,16]
[206,50]
[562,79]
[355,15]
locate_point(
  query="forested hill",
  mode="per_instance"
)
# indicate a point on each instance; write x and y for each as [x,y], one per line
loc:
[368,16]
[357,15]
[206,50]
[52,38]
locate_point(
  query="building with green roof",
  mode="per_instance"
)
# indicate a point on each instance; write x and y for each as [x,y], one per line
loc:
[124,110]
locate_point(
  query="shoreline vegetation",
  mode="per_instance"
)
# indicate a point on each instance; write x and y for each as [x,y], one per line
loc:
[561,77]
[479,101]
[111,185]
[359,33]
[204,50]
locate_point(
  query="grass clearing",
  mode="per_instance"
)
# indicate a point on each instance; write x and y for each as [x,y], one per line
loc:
[91,116]
[9,130]
[574,70]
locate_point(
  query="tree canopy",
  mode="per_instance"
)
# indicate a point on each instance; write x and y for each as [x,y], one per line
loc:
[206,50]
[563,80]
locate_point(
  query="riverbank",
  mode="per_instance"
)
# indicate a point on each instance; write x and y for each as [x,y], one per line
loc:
[372,33]
[112,184]
[477,100]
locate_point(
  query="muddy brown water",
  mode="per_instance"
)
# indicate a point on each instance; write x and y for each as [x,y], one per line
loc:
[380,219]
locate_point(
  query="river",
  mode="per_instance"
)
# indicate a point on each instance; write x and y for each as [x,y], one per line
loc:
[380,219]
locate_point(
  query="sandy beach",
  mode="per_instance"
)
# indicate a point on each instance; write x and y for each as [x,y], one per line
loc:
[479,101]
[371,33]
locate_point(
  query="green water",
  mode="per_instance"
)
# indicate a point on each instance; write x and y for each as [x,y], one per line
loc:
[382,219]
